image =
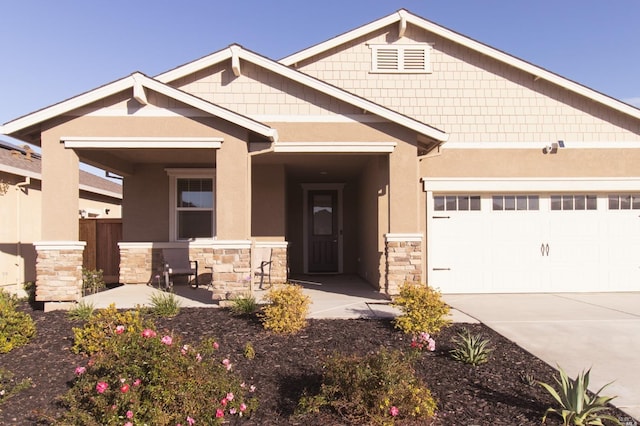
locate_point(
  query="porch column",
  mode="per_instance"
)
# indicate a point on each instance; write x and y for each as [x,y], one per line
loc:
[59,273]
[233,198]
[59,254]
[403,254]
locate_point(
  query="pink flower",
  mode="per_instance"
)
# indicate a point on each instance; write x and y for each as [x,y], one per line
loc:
[216,345]
[101,387]
[124,388]
[184,350]
[229,396]
[233,411]
[243,407]
[137,382]
[224,402]
[190,420]
[219,413]
[120,329]
[80,370]
[167,340]
[128,424]
[129,414]
[226,363]
[198,357]
[394,411]
[252,388]
[147,332]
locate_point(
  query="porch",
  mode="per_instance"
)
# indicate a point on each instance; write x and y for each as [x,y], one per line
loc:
[332,296]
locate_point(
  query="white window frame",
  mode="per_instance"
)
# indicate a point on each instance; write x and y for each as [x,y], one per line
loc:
[174,175]
[402,59]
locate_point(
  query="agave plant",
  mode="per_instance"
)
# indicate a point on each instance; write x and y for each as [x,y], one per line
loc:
[578,407]
[471,348]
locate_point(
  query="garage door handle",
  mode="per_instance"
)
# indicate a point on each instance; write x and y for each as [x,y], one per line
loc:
[544,249]
[441,217]
[441,269]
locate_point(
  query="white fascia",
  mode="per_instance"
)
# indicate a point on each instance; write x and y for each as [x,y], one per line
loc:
[334,147]
[141,142]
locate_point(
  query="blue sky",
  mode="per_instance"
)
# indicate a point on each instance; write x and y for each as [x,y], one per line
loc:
[53,50]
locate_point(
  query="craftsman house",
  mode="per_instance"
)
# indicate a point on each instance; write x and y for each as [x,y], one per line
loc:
[398,151]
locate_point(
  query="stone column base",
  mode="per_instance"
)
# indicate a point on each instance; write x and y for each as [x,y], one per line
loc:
[59,273]
[404,260]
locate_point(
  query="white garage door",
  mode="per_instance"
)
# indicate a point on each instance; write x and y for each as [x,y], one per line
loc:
[495,243]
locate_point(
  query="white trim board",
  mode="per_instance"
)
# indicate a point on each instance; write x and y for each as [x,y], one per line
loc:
[328,147]
[142,142]
[542,145]
[481,184]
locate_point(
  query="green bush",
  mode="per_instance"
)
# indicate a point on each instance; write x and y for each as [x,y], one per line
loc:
[9,387]
[100,329]
[92,281]
[577,406]
[16,328]
[471,348]
[165,304]
[82,311]
[286,310]
[147,378]
[373,389]
[243,305]
[423,309]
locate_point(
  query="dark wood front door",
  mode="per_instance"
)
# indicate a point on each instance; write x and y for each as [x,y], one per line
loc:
[323,231]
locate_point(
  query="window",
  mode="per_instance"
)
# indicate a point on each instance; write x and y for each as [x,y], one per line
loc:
[516,202]
[408,58]
[624,202]
[574,202]
[456,202]
[192,213]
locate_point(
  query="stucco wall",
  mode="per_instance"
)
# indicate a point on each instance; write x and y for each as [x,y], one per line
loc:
[268,213]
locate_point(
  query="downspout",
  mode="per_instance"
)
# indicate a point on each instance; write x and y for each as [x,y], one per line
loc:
[19,260]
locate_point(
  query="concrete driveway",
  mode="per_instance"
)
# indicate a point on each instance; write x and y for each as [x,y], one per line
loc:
[573,330]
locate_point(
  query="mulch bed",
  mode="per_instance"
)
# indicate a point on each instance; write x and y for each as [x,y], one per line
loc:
[491,394]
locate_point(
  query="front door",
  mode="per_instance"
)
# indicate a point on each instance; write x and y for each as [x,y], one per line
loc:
[323,231]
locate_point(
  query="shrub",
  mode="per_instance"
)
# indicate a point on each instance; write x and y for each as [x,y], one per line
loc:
[92,281]
[471,348]
[244,305]
[9,387]
[576,405]
[82,311]
[423,309]
[249,351]
[372,389]
[16,328]
[165,304]
[286,309]
[153,378]
[98,332]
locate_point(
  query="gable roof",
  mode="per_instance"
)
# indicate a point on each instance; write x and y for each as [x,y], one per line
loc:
[403,17]
[137,81]
[236,52]
[23,162]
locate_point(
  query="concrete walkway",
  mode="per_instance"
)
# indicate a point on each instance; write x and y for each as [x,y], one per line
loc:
[575,331]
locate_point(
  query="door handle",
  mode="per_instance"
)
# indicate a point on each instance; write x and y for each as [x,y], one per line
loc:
[441,269]
[544,249]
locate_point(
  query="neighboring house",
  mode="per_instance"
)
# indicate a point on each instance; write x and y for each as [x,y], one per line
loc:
[21,210]
[399,151]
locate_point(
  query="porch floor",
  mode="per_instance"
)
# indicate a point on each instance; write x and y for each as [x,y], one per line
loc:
[332,297]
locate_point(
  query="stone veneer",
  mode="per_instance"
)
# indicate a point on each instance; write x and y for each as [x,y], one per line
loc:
[230,261]
[59,273]
[404,260]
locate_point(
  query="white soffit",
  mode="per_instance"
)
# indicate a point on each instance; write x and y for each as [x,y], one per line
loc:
[334,147]
[398,17]
[523,185]
[143,142]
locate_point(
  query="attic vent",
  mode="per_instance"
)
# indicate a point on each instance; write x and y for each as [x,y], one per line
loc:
[413,58]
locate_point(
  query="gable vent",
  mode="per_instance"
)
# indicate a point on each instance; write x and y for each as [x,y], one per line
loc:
[401,58]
